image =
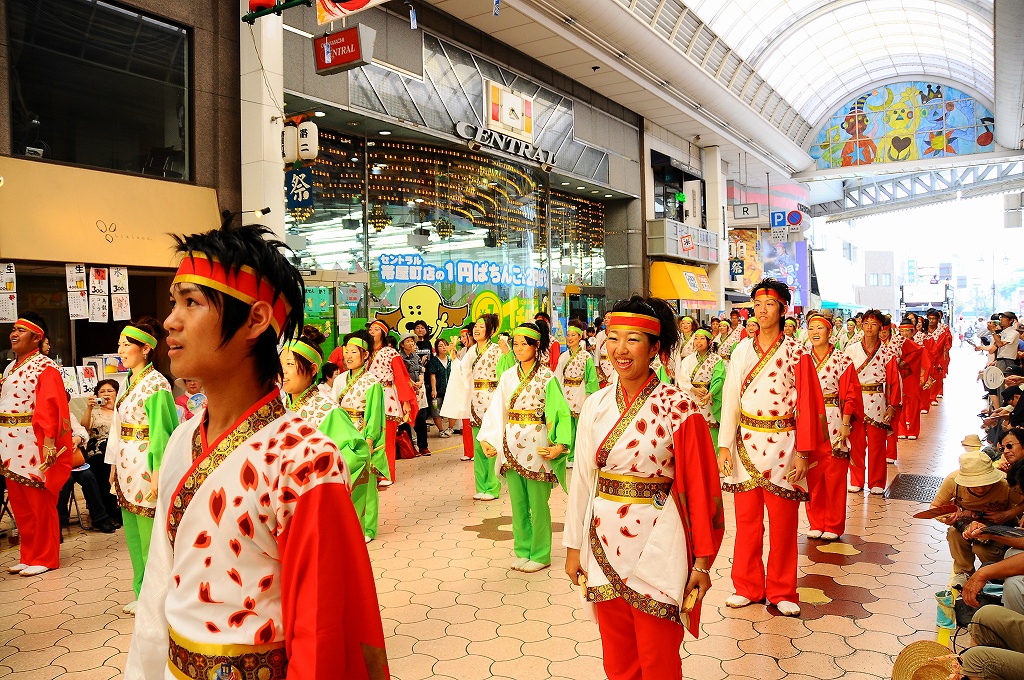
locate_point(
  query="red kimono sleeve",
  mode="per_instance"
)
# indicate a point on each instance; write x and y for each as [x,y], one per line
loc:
[698,495]
[893,389]
[51,419]
[850,393]
[338,357]
[913,355]
[328,597]
[811,421]
[406,395]
[553,353]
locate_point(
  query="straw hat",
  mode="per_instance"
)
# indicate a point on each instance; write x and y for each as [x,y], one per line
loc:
[976,469]
[914,662]
[971,440]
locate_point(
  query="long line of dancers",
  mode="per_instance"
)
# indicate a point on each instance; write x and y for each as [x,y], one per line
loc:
[248,514]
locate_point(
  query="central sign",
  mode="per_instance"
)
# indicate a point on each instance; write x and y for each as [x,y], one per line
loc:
[343,50]
[504,142]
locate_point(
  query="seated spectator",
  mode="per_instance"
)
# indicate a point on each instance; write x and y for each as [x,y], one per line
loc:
[1011,567]
[99,411]
[1011,446]
[328,373]
[998,634]
[980,492]
[192,401]
[83,475]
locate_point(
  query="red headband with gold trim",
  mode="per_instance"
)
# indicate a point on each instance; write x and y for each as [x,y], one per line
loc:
[245,285]
[822,318]
[769,292]
[627,321]
[383,326]
[28,325]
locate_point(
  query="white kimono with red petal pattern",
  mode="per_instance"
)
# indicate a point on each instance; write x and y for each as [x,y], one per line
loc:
[251,554]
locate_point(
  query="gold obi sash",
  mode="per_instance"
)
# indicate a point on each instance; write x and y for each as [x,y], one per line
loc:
[526,417]
[704,385]
[872,388]
[131,433]
[630,489]
[831,399]
[489,385]
[356,415]
[387,383]
[15,419]
[189,660]
[772,424]
[572,382]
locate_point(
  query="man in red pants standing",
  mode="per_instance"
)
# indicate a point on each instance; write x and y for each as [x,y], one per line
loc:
[916,369]
[773,419]
[878,373]
[35,445]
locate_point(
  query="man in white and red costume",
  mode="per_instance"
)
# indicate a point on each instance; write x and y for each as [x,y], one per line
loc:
[734,336]
[257,564]
[826,509]
[878,372]
[916,369]
[35,445]
[937,341]
[773,419]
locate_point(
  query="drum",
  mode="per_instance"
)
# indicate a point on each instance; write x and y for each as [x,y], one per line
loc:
[992,377]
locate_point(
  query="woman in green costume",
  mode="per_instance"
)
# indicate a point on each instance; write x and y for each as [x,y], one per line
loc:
[702,375]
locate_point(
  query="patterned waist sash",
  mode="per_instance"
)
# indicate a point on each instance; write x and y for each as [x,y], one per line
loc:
[831,399]
[773,424]
[489,385]
[131,433]
[703,385]
[572,382]
[188,660]
[527,417]
[15,419]
[872,388]
[630,489]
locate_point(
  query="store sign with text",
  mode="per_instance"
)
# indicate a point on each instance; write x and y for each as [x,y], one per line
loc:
[413,269]
[504,142]
[344,50]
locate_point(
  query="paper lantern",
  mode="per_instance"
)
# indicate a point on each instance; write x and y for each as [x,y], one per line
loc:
[258,5]
[290,144]
[309,140]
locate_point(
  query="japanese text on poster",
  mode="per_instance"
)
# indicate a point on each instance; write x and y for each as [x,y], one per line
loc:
[75,274]
[119,280]
[98,282]
[78,304]
[98,309]
[412,269]
[120,307]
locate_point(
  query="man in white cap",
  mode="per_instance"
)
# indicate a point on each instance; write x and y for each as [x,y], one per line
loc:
[980,492]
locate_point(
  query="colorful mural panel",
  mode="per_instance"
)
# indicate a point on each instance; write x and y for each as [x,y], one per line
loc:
[905,121]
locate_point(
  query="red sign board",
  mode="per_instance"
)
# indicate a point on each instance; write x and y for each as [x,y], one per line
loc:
[346,49]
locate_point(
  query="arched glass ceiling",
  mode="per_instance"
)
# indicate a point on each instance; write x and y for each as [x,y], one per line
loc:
[815,53]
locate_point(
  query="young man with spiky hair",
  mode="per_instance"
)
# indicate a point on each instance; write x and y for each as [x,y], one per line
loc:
[773,420]
[878,372]
[254,518]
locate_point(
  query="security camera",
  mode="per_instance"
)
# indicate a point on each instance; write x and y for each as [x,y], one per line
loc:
[474,145]
[547,167]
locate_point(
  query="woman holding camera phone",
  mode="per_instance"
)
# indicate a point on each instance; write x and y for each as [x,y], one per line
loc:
[99,411]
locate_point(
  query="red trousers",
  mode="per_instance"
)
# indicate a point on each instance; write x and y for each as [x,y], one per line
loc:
[873,439]
[748,572]
[826,511]
[910,424]
[391,444]
[467,438]
[35,512]
[636,645]
[890,439]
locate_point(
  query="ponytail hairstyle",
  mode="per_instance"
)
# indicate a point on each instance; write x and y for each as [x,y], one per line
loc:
[538,327]
[311,337]
[151,327]
[659,309]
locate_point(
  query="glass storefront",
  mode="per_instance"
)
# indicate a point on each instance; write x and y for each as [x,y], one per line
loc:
[484,233]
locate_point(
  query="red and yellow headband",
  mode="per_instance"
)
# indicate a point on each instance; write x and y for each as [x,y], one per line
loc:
[29,326]
[907,325]
[769,292]
[383,326]
[245,285]
[822,318]
[627,321]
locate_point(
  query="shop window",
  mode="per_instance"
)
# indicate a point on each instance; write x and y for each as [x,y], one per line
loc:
[95,84]
[873,279]
[886,279]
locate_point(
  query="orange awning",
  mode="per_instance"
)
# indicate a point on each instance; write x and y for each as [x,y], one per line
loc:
[688,284]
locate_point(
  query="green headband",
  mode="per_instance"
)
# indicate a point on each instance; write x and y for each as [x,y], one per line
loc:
[790,321]
[687,318]
[306,351]
[527,332]
[137,333]
[358,342]
[705,333]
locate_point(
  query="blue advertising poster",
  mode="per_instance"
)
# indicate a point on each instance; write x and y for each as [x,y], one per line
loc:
[787,262]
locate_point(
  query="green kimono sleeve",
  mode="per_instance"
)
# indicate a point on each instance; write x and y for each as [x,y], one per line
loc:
[162,417]
[339,428]
[715,388]
[559,422]
[507,361]
[590,377]
[373,429]
[663,375]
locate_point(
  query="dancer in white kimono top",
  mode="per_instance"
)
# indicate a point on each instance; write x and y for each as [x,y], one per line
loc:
[701,376]
[576,374]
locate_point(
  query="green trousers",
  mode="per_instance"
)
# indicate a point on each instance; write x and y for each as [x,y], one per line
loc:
[531,517]
[572,447]
[714,438]
[137,532]
[366,499]
[486,479]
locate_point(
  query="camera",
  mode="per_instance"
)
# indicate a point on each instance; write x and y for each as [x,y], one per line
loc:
[100,401]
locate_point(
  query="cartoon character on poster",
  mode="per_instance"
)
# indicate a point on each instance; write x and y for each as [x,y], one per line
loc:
[424,303]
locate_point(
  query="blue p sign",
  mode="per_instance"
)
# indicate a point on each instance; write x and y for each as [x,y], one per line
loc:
[778,218]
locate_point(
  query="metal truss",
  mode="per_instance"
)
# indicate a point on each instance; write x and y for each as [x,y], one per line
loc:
[900,192]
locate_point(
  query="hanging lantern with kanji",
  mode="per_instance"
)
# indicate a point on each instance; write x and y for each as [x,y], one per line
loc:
[308,141]
[290,143]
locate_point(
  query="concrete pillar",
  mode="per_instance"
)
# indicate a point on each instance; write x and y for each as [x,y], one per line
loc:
[624,249]
[262,95]
[716,203]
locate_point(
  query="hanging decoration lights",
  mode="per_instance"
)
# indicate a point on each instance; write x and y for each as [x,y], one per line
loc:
[444,227]
[379,218]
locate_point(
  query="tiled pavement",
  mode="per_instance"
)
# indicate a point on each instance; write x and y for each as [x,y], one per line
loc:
[453,609]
